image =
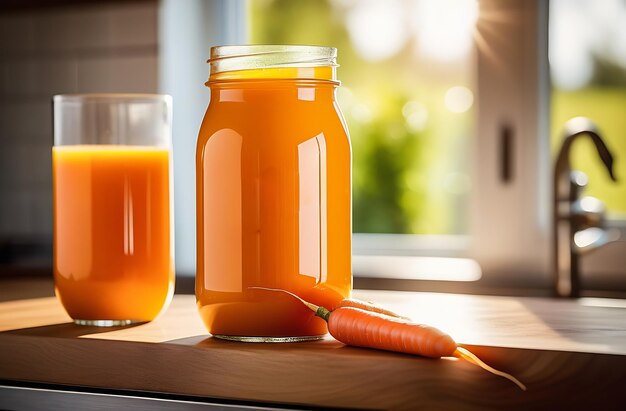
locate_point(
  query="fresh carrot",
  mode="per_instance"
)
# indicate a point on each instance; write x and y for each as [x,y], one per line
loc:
[361,327]
[354,326]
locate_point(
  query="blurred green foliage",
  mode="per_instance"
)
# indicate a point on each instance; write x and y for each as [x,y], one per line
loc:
[385,152]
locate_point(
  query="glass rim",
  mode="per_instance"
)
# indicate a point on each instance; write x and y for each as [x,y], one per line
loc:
[265,56]
[232,51]
[113,97]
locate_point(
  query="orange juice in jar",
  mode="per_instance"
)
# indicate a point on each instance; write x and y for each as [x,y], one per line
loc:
[113,259]
[273,193]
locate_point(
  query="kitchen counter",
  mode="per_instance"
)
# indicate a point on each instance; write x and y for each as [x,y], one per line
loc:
[570,353]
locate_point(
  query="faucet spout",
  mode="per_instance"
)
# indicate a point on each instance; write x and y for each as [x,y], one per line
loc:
[574,129]
[578,223]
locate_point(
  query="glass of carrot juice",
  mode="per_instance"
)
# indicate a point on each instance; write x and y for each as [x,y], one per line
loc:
[112,187]
[273,192]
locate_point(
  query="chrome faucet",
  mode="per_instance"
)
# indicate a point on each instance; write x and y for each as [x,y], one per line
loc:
[578,222]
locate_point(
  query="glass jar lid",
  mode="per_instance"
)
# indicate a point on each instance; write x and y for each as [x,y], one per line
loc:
[273,61]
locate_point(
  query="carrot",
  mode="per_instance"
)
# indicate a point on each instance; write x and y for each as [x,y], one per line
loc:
[370,328]
[354,326]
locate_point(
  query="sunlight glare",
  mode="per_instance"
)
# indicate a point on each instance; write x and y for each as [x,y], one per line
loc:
[415,114]
[457,183]
[444,28]
[570,51]
[362,113]
[376,29]
[417,268]
[459,99]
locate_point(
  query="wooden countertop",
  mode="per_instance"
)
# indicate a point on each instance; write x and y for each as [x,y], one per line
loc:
[570,353]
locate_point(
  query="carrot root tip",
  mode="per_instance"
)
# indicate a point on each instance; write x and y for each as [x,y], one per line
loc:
[472,358]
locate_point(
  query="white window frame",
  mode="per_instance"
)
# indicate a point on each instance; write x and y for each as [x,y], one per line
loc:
[510,222]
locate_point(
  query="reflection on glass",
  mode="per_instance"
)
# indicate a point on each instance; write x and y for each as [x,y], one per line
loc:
[312,208]
[222,216]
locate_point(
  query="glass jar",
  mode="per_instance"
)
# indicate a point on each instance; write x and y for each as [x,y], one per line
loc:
[273,193]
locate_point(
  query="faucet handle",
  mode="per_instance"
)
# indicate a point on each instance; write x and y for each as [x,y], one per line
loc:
[592,238]
[587,212]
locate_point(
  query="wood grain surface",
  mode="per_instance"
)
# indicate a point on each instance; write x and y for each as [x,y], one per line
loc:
[571,354]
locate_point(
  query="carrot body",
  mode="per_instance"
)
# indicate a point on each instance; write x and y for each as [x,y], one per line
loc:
[367,306]
[354,326]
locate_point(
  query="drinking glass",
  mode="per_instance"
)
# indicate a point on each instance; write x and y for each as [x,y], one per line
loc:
[112,188]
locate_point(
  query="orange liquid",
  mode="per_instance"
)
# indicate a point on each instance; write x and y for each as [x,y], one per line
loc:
[112,247]
[273,206]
